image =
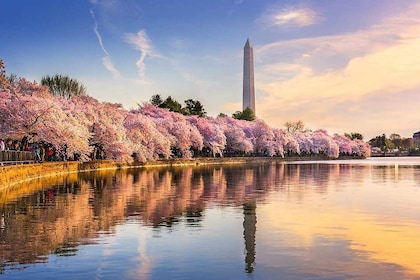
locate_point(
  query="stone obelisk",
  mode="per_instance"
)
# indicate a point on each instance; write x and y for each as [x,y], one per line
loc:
[248,84]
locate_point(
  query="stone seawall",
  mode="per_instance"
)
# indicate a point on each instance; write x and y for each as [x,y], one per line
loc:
[18,174]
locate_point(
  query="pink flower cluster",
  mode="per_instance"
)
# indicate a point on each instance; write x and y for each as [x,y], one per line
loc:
[149,132]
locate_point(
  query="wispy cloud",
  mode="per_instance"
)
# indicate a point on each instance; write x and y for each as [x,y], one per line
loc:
[342,80]
[141,42]
[106,60]
[289,17]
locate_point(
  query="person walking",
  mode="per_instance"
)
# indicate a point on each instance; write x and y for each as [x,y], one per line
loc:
[2,145]
[37,152]
[2,149]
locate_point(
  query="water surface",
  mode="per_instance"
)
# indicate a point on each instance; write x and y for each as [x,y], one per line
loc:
[356,219]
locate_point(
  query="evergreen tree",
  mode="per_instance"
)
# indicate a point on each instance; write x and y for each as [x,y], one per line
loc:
[156,100]
[247,115]
[173,106]
[192,107]
[354,135]
[195,108]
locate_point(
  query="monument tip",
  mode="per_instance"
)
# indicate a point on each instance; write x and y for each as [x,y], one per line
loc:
[248,43]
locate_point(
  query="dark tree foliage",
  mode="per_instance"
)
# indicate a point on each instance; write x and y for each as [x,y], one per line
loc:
[247,115]
[192,107]
[173,106]
[156,100]
[63,86]
[396,140]
[378,141]
[354,135]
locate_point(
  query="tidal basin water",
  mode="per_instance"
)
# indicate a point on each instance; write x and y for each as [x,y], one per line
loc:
[356,219]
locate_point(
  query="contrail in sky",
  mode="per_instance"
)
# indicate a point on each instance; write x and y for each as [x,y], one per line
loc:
[106,60]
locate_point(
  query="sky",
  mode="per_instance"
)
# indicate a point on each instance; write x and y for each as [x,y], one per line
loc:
[344,66]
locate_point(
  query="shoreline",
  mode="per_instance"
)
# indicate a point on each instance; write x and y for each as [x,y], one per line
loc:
[12,175]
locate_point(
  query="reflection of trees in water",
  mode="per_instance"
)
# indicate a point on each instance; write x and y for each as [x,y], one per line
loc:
[28,231]
[57,219]
[389,173]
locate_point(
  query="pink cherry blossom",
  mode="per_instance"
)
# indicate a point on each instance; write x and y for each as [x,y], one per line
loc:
[82,124]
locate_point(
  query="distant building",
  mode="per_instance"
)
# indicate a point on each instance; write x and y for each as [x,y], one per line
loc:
[416,138]
[248,100]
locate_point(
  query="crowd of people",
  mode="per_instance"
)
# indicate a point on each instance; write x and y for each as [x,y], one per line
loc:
[41,151]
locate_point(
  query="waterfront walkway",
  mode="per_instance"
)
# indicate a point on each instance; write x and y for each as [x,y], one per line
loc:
[16,157]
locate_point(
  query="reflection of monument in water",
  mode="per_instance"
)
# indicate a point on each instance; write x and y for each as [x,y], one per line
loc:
[248,98]
[250,228]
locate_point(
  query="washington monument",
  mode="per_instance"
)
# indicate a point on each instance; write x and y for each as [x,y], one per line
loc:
[248,99]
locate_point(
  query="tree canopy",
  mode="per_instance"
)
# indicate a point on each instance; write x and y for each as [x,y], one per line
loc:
[63,86]
[192,107]
[354,135]
[247,115]
[394,141]
[82,123]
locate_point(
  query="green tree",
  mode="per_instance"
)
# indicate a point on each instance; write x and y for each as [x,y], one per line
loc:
[63,86]
[246,114]
[396,140]
[389,144]
[222,115]
[382,142]
[173,106]
[194,108]
[354,135]
[156,100]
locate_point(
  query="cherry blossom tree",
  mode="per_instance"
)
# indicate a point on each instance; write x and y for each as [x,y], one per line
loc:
[104,121]
[264,139]
[280,141]
[21,111]
[28,110]
[317,142]
[291,145]
[212,133]
[304,140]
[325,144]
[148,142]
[182,134]
[236,139]
[361,148]
[82,124]
[344,144]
